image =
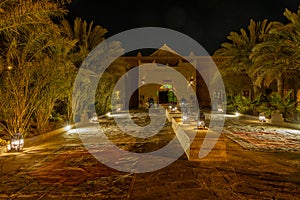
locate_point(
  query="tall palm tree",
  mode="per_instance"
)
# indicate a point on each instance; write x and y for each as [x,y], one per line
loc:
[279,52]
[87,35]
[236,52]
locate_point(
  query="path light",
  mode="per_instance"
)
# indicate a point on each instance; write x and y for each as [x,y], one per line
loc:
[237,113]
[17,142]
[186,115]
[173,108]
[262,117]
[183,103]
[68,127]
[201,120]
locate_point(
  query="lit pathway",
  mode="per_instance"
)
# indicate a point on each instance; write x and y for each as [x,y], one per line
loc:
[60,168]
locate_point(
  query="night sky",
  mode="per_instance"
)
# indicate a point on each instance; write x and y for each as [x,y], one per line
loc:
[208,22]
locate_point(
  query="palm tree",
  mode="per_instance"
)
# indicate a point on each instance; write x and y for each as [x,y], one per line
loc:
[18,18]
[236,52]
[278,54]
[30,61]
[31,87]
[87,35]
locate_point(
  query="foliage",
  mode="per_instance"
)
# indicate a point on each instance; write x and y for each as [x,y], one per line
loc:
[267,53]
[261,104]
[88,37]
[31,61]
[99,63]
[236,52]
[240,103]
[276,102]
[18,18]
[106,85]
[2,142]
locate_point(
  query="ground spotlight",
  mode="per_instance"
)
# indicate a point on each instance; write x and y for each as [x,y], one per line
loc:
[68,127]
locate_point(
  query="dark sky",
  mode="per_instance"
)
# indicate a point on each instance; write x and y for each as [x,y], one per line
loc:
[208,22]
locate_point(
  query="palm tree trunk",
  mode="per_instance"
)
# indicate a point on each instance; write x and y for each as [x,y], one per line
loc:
[280,85]
[256,89]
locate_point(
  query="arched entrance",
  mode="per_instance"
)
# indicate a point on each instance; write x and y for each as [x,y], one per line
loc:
[166,95]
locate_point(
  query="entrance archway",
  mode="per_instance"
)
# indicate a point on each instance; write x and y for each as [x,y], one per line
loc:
[166,95]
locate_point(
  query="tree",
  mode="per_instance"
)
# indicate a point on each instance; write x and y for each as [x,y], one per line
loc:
[88,37]
[30,62]
[90,70]
[278,54]
[36,64]
[236,52]
[19,18]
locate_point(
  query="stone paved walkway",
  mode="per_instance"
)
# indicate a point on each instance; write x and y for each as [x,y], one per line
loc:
[61,168]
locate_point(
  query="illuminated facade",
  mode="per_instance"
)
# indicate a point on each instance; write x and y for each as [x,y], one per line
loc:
[166,63]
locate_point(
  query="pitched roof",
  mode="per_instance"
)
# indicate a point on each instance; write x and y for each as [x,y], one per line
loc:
[165,51]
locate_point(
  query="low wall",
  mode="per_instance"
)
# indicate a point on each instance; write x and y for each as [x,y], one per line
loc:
[183,138]
[32,140]
[191,139]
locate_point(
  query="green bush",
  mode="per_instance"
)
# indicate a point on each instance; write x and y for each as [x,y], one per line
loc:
[262,104]
[276,102]
[240,103]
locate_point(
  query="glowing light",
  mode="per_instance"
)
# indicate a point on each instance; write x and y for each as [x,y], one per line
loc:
[109,114]
[68,127]
[174,109]
[262,118]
